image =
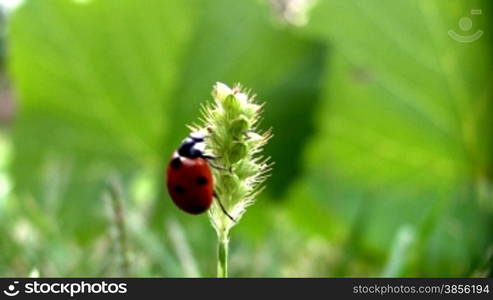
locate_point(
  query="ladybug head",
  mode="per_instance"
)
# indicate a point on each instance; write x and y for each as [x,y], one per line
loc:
[193,146]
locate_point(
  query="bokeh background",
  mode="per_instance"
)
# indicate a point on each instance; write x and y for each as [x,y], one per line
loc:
[383,136]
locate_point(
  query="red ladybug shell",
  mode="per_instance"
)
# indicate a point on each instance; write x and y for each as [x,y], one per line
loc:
[190,183]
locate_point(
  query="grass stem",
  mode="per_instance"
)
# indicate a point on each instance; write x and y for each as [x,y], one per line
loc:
[222,254]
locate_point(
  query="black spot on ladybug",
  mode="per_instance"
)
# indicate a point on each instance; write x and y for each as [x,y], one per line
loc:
[179,189]
[201,180]
[197,209]
[176,163]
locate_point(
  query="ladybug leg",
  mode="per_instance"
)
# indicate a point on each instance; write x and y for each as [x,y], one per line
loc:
[222,208]
[208,156]
[210,159]
[216,166]
[219,167]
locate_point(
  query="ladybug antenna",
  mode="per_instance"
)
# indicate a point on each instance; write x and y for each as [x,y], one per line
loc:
[223,209]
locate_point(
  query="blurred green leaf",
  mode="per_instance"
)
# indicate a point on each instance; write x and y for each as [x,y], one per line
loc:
[402,120]
[92,78]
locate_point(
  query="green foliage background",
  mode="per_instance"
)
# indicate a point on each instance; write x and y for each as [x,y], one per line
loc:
[383,137]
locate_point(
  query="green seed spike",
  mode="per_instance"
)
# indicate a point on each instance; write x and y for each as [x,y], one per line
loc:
[231,122]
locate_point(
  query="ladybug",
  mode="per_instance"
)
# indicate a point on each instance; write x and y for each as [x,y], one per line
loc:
[189,178]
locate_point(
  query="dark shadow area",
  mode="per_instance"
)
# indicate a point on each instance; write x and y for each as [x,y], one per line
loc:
[293,104]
